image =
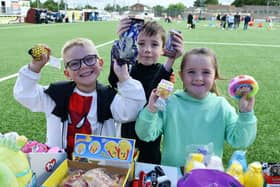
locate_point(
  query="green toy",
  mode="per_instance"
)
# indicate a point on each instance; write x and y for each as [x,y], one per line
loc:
[15,170]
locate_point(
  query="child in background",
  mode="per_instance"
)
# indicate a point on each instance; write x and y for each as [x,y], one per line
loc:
[151,43]
[197,115]
[82,104]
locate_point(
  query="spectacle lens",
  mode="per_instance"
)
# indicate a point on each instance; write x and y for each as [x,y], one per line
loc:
[89,60]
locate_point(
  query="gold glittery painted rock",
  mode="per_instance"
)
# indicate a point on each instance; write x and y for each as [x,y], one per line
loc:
[37,51]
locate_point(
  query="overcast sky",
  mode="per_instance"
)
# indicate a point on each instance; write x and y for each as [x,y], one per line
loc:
[102,3]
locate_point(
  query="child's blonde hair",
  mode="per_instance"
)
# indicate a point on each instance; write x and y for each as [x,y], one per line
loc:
[77,42]
[207,52]
[152,28]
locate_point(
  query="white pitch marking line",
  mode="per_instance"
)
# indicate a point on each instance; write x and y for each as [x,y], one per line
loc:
[16,74]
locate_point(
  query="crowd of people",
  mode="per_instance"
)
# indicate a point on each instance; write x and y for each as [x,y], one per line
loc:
[230,21]
[194,114]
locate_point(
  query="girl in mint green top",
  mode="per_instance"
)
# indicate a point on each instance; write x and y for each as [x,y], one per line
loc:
[197,114]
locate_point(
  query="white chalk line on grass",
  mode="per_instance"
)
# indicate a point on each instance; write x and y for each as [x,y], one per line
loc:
[16,74]
[234,44]
[186,42]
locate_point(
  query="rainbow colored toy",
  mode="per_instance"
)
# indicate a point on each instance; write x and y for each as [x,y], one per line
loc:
[243,84]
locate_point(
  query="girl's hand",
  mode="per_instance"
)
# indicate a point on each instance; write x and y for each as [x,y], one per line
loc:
[123,25]
[36,66]
[152,101]
[121,71]
[246,105]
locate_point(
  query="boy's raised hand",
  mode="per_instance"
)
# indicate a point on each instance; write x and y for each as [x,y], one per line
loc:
[245,104]
[178,44]
[123,25]
[37,65]
[121,71]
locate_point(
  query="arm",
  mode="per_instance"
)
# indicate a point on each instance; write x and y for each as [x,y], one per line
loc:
[241,128]
[178,45]
[130,98]
[28,92]
[149,123]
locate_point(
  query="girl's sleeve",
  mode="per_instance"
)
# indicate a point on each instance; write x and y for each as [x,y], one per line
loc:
[241,128]
[148,125]
[30,94]
[129,100]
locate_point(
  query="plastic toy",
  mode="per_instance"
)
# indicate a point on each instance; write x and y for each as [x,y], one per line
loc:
[215,162]
[194,161]
[236,171]
[243,84]
[239,156]
[164,90]
[15,170]
[254,177]
[154,178]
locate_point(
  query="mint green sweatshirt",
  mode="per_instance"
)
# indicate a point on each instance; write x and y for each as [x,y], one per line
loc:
[187,121]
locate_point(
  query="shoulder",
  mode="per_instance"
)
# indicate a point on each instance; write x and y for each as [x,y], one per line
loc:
[60,87]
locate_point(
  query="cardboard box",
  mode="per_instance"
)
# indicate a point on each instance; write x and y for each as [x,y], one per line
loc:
[44,164]
[103,148]
[61,172]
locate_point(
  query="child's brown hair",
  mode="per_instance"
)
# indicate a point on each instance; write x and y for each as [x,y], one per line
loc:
[152,28]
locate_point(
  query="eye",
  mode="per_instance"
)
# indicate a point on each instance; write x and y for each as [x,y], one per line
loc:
[191,72]
[141,44]
[74,63]
[155,44]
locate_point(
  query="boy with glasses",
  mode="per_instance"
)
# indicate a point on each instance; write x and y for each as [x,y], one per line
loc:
[82,104]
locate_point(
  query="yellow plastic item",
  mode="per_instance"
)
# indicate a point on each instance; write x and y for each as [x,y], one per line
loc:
[236,171]
[253,177]
[194,158]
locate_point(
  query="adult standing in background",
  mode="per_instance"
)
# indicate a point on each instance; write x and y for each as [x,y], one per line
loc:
[236,20]
[190,21]
[247,19]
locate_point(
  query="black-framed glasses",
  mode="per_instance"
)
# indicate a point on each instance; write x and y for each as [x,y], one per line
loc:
[75,64]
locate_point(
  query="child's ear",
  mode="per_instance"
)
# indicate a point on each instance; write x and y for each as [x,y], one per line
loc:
[162,51]
[101,62]
[67,75]
[181,74]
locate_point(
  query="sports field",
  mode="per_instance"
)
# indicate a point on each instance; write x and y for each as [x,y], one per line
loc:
[254,52]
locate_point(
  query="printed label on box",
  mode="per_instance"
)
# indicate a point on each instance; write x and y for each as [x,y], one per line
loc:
[103,148]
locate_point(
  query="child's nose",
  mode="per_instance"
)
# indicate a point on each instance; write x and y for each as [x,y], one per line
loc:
[198,77]
[148,49]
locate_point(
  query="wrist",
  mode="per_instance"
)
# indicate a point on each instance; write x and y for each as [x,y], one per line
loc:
[152,109]
[33,68]
[168,64]
[123,79]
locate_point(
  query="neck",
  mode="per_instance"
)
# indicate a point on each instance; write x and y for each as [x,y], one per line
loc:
[86,88]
